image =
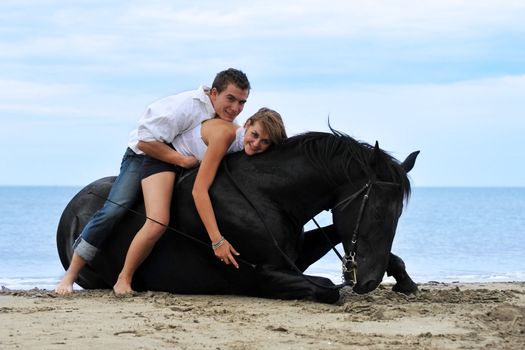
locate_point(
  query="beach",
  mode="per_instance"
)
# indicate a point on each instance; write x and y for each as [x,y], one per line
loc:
[440,316]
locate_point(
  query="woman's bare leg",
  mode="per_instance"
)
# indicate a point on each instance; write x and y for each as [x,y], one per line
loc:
[157,189]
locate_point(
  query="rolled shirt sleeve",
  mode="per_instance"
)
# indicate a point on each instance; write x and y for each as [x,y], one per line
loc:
[174,115]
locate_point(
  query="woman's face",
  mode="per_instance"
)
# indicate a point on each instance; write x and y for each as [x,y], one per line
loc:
[255,139]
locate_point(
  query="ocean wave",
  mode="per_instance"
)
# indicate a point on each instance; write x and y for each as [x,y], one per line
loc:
[28,283]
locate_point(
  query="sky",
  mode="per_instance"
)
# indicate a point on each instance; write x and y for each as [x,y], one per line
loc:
[446,77]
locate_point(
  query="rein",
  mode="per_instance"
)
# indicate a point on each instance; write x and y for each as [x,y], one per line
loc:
[184,234]
[348,261]
[283,254]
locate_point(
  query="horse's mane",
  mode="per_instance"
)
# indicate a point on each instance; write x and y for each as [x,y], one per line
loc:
[321,148]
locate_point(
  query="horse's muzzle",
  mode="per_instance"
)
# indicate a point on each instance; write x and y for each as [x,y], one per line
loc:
[368,286]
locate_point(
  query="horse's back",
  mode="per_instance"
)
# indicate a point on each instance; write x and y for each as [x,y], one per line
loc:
[181,262]
[178,263]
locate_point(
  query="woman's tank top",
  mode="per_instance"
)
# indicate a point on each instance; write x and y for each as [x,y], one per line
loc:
[190,143]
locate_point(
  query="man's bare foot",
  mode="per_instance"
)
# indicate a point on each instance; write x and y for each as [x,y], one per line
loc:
[65,286]
[122,287]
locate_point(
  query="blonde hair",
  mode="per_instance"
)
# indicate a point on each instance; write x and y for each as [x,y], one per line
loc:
[272,122]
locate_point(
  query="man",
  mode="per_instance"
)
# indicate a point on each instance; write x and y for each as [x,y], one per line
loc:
[162,122]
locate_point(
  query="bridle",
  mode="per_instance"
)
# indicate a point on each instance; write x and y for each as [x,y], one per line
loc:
[349,263]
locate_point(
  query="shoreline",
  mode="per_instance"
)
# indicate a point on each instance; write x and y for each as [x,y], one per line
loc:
[441,315]
[48,283]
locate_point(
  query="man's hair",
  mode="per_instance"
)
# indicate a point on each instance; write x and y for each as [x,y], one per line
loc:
[230,76]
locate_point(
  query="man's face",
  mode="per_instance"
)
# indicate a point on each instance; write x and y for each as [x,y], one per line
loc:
[230,102]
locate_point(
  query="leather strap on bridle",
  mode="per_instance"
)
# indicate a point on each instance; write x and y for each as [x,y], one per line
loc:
[348,261]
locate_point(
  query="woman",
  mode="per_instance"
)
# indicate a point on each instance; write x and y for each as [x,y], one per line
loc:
[208,143]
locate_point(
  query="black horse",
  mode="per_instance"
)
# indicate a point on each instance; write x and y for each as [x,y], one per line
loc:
[262,203]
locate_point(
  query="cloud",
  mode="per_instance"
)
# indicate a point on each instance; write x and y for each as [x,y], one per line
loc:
[330,19]
[123,26]
[53,102]
[22,90]
[407,73]
[31,98]
[458,125]
[341,42]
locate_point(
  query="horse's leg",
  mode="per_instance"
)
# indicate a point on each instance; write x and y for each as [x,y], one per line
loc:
[278,283]
[315,246]
[396,269]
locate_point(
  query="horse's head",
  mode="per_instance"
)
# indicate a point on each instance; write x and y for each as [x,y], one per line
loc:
[366,213]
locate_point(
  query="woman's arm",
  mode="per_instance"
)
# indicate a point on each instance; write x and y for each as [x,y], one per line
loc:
[219,137]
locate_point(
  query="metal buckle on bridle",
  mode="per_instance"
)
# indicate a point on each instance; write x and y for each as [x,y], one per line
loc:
[349,270]
[349,262]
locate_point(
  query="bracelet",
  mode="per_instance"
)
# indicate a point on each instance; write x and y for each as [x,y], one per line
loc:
[219,243]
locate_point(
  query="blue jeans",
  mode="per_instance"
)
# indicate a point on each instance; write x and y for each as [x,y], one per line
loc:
[125,190]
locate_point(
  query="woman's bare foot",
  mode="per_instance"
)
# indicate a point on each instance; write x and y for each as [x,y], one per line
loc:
[122,287]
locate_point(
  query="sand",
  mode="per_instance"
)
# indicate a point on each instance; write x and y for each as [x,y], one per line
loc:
[441,316]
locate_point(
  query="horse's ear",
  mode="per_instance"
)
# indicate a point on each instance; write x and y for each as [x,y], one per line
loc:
[376,157]
[409,162]
[379,162]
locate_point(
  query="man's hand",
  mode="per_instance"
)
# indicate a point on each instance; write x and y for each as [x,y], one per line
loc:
[188,162]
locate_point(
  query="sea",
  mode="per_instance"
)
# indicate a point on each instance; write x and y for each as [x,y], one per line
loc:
[444,235]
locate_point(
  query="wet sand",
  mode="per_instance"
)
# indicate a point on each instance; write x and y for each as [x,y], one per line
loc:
[441,316]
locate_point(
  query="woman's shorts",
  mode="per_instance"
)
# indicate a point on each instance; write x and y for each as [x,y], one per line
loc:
[151,166]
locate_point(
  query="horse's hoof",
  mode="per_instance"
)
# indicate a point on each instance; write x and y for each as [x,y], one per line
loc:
[409,288]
